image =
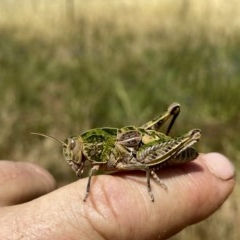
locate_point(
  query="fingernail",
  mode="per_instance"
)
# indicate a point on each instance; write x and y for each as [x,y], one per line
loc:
[219,165]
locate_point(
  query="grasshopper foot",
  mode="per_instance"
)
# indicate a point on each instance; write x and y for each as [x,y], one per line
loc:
[86,196]
[151,194]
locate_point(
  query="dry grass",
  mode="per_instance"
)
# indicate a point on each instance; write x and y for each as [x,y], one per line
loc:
[50,19]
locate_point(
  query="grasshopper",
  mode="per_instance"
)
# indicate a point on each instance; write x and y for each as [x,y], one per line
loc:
[130,148]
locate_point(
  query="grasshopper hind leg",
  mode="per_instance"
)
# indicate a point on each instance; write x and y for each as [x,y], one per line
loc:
[150,173]
[149,185]
[157,179]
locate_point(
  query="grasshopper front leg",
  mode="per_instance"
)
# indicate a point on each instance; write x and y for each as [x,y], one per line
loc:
[93,170]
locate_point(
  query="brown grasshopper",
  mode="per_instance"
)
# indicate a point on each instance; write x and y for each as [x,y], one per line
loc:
[130,148]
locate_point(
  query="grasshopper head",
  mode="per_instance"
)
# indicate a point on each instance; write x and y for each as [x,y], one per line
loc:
[72,151]
[73,154]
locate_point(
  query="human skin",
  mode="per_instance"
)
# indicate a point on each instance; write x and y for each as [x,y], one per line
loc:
[118,206]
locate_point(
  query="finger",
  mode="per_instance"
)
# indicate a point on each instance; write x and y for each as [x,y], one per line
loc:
[119,207]
[21,182]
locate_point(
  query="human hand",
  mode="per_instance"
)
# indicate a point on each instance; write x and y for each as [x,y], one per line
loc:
[118,206]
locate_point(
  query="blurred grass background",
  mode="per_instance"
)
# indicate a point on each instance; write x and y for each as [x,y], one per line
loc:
[67,66]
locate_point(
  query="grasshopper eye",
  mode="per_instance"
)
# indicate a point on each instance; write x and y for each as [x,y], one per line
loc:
[72,144]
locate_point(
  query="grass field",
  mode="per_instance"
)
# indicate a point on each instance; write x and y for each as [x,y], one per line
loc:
[67,66]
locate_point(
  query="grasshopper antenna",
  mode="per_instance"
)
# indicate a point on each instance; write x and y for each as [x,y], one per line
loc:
[48,136]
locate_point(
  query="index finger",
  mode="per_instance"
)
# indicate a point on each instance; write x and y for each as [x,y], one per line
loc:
[21,182]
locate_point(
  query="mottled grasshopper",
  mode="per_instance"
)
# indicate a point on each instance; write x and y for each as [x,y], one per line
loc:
[130,148]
